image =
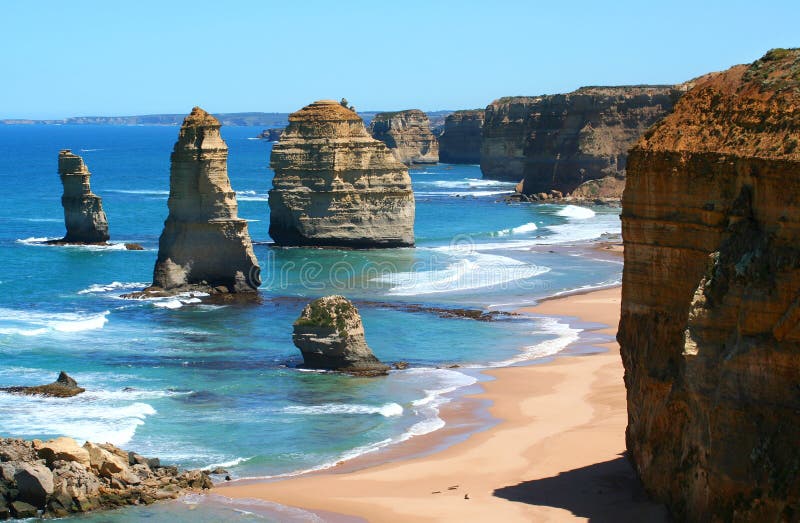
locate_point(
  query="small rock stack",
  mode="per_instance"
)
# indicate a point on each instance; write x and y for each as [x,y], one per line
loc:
[408,135]
[84,217]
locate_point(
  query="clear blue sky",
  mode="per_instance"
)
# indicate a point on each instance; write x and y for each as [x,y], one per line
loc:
[70,58]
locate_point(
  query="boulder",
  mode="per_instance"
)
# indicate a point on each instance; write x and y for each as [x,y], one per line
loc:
[103,462]
[22,510]
[336,186]
[204,243]
[84,216]
[330,335]
[63,448]
[407,134]
[63,387]
[34,482]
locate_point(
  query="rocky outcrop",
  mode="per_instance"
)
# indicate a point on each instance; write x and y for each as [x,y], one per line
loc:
[204,243]
[84,216]
[608,189]
[330,335]
[710,326]
[560,141]
[63,387]
[57,478]
[336,186]
[461,140]
[408,135]
[271,135]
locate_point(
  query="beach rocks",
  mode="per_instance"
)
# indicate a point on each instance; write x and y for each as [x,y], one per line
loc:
[335,186]
[710,326]
[330,335]
[204,245]
[408,135]
[84,217]
[63,387]
[69,479]
[560,141]
[461,140]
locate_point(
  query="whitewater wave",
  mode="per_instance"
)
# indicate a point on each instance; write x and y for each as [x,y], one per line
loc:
[41,242]
[254,198]
[576,213]
[522,229]
[387,411]
[100,288]
[466,183]
[564,337]
[33,323]
[449,194]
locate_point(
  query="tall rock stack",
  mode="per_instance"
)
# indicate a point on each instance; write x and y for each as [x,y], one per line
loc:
[336,186]
[204,242]
[560,141]
[408,134]
[83,210]
[461,140]
[710,327]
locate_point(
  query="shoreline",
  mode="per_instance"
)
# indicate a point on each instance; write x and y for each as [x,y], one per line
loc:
[538,442]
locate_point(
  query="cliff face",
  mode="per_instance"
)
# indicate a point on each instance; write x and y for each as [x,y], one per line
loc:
[560,141]
[335,185]
[710,327]
[407,134]
[84,217]
[461,140]
[204,242]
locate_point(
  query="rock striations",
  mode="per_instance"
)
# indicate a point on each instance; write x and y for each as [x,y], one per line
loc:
[408,134]
[710,326]
[330,335]
[335,186]
[560,141]
[461,140]
[204,243]
[83,210]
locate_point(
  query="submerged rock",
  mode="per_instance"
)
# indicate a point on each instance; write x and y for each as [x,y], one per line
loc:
[335,186]
[63,387]
[408,135]
[710,326]
[330,335]
[204,243]
[461,140]
[84,217]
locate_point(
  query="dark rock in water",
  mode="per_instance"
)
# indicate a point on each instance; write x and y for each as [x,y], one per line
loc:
[271,135]
[134,247]
[461,140]
[63,387]
[80,479]
[84,217]
[204,245]
[330,335]
[400,365]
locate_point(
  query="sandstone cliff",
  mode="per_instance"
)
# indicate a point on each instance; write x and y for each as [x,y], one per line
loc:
[204,242]
[560,141]
[408,134]
[710,326]
[461,140]
[83,210]
[335,185]
[330,335]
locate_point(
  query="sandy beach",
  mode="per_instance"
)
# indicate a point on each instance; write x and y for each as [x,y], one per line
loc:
[555,454]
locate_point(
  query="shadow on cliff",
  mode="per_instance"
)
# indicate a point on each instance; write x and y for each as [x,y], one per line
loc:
[602,492]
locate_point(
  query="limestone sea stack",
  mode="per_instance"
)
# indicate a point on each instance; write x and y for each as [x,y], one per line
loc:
[204,242]
[84,217]
[461,140]
[560,141]
[336,186]
[408,134]
[330,335]
[710,327]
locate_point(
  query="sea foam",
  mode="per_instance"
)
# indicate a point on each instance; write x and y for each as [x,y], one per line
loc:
[34,323]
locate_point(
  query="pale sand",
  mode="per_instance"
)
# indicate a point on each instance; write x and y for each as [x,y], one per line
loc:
[555,454]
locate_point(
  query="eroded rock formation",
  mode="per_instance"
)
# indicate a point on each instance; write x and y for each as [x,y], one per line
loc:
[204,243]
[271,135]
[408,135]
[63,387]
[710,327]
[461,140]
[560,141]
[330,335]
[335,185]
[84,216]
[59,478]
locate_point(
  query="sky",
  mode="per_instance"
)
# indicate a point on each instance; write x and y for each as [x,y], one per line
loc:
[104,58]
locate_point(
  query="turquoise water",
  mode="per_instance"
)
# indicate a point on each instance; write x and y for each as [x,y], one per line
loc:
[201,385]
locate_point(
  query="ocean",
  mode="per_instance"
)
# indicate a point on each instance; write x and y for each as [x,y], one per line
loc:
[202,385]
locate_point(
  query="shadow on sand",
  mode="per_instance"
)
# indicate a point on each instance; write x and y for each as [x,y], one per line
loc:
[602,492]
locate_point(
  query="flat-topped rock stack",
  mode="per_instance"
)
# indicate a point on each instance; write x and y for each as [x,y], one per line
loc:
[204,243]
[84,216]
[408,134]
[336,186]
[461,140]
[710,326]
